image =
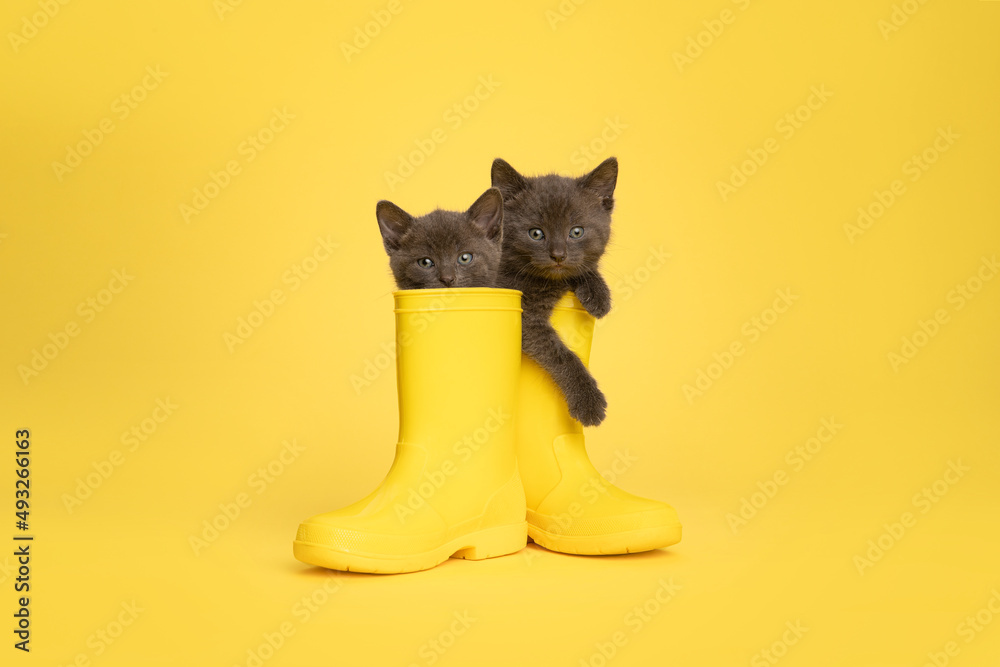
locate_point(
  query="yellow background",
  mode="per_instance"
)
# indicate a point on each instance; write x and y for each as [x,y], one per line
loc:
[558,85]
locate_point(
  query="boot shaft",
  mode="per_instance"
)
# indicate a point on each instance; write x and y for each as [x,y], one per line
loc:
[543,415]
[458,354]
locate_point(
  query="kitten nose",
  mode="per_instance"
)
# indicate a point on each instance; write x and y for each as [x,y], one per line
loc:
[447,280]
[558,254]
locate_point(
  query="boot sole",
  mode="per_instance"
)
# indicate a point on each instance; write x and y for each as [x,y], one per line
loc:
[632,541]
[477,545]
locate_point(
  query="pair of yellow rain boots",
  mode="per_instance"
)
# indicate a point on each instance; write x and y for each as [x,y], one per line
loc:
[487,454]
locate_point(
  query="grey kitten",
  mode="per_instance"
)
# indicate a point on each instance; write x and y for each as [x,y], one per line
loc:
[556,231]
[444,248]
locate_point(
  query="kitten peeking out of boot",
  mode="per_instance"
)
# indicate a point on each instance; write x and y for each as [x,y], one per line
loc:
[557,229]
[444,248]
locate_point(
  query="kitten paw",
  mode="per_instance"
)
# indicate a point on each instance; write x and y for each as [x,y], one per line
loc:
[589,406]
[596,298]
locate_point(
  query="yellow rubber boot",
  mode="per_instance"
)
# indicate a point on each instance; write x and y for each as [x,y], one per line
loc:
[571,507]
[453,489]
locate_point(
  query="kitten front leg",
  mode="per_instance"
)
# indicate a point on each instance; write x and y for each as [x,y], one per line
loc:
[584,398]
[593,293]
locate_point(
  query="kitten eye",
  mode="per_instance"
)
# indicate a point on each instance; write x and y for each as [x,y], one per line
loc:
[425,263]
[576,232]
[465,258]
[536,234]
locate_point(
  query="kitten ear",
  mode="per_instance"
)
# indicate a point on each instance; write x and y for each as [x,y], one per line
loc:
[392,223]
[506,179]
[602,181]
[487,214]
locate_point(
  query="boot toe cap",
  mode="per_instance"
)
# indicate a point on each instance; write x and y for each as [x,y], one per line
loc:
[608,528]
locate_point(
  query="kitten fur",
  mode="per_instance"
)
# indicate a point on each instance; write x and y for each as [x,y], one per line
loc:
[443,238]
[544,269]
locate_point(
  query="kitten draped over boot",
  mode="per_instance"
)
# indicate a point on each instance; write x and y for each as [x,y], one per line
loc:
[556,230]
[444,248]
